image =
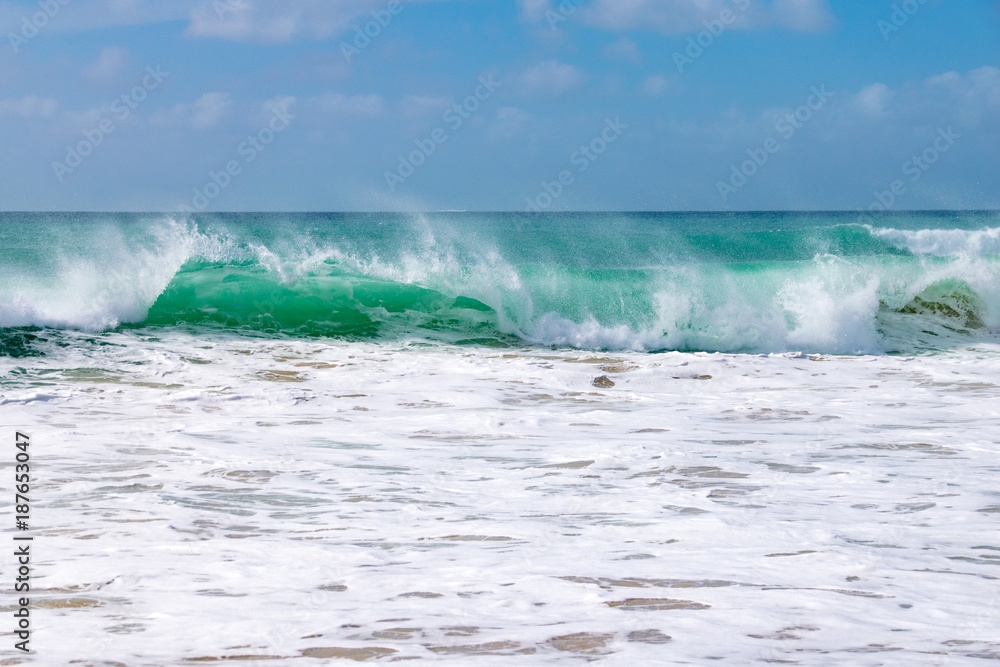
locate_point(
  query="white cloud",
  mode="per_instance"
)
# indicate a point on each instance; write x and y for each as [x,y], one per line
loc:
[418,105]
[512,114]
[873,99]
[670,16]
[551,77]
[241,22]
[980,87]
[624,49]
[109,67]
[202,114]
[236,20]
[208,110]
[947,80]
[655,85]
[965,99]
[802,15]
[83,15]
[678,17]
[510,122]
[533,10]
[268,21]
[279,103]
[29,107]
[972,96]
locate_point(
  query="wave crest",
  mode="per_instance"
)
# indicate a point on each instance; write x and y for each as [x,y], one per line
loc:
[942,242]
[835,289]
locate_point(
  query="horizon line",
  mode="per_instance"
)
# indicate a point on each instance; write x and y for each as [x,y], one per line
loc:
[518,212]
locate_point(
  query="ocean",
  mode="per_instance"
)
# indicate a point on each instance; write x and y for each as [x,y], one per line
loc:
[636,438]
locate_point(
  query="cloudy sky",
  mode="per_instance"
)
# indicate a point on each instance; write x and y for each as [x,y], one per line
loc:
[632,104]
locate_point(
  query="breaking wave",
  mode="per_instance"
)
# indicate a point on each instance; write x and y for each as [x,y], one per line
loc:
[750,283]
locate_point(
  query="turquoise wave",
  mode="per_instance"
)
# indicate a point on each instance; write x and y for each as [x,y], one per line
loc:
[766,282]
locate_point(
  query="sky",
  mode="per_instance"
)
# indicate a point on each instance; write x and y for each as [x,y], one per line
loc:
[551,105]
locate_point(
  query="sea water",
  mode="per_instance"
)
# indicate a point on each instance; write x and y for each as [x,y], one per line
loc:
[506,438]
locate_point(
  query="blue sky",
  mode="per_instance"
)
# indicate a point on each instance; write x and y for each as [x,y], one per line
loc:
[279,103]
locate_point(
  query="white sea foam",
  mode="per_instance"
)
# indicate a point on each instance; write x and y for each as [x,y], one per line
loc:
[96,290]
[203,497]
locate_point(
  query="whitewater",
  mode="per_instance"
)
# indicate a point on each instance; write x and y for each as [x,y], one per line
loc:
[464,438]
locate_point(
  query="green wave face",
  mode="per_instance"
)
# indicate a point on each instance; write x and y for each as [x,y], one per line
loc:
[735,283]
[332,304]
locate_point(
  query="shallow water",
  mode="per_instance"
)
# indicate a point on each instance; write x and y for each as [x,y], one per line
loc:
[205,495]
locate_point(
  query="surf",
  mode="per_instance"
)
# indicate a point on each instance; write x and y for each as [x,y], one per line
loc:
[754,283]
